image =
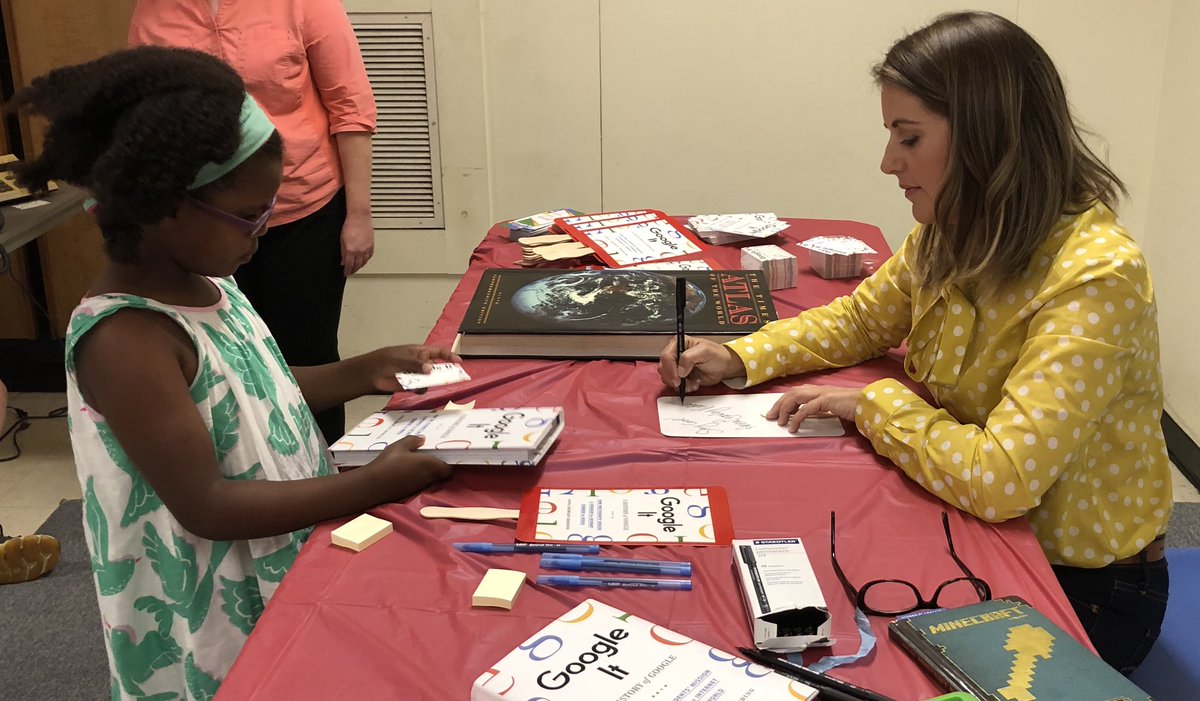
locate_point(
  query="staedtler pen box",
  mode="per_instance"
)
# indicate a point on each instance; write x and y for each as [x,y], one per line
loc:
[782,597]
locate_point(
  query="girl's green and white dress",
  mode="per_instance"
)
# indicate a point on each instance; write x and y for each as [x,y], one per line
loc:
[176,608]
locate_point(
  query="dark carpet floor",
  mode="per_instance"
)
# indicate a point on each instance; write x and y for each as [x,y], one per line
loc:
[51,646]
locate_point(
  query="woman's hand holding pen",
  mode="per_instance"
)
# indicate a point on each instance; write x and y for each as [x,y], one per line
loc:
[702,363]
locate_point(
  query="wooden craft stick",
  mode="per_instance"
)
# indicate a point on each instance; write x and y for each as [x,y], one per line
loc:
[563,250]
[469,513]
[544,240]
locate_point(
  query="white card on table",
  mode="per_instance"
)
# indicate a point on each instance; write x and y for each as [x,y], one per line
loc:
[735,416]
[441,374]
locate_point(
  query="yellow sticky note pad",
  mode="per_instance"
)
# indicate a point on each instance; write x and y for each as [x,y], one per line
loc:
[362,532]
[499,588]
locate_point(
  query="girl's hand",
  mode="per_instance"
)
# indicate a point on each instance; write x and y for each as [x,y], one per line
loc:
[702,363]
[799,403]
[383,364]
[404,472]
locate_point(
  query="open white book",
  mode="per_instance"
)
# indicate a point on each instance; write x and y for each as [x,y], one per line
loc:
[512,436]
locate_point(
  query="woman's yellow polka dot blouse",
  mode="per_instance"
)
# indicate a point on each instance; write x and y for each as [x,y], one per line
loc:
[1050,393]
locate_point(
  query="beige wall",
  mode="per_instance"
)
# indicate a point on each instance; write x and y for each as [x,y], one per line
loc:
[694,106]
[1172,244]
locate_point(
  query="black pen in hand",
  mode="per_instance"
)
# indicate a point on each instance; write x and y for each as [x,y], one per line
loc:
[680,311]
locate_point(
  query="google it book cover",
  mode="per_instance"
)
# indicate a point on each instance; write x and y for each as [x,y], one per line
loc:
[595,651]
[492,436]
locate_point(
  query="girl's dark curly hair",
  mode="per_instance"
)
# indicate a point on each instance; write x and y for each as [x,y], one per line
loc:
[134,127]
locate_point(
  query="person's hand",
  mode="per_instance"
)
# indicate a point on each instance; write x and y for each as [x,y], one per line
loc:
[358,242]
[703,363]
[799,403]
[382,365]
[403,471]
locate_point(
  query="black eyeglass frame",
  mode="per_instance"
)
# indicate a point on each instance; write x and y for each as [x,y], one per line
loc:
[860,595]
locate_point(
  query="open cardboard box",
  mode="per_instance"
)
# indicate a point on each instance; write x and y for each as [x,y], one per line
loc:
[786,608]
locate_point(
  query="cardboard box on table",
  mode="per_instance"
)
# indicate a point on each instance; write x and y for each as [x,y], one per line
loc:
[783,599]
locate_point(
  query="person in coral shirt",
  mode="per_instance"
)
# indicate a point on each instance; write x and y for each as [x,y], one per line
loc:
[1029,316]
[301,63]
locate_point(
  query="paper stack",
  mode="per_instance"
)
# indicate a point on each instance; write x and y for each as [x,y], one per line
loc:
[361,533]
[535,223]
[731,228]
[836,256]
[777,265]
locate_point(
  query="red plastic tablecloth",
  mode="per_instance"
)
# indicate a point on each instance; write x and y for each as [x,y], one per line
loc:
[395,621]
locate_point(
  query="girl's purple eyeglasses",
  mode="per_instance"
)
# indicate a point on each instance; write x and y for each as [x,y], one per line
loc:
[251,228]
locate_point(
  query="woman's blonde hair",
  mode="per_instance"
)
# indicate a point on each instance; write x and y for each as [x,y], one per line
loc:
[1017,158]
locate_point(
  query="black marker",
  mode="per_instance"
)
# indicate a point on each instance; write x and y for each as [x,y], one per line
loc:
[829,687]
[755,577]
[680,310]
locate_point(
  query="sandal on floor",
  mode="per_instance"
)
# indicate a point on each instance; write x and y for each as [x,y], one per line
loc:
[25,558]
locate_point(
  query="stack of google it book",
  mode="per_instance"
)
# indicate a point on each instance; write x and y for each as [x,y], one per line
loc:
[494,436]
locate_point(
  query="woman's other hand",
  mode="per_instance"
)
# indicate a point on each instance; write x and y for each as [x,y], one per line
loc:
[799,403]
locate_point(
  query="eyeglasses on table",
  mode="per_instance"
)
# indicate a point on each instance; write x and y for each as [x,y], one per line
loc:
[895,597]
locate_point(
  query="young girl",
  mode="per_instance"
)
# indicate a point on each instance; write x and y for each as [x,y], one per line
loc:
[301,62]
[1029,315]
[201,469]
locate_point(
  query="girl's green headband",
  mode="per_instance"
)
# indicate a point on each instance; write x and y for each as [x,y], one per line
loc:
[256,129]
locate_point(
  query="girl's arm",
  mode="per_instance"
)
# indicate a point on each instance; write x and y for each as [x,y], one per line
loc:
[165,439]
[329,385]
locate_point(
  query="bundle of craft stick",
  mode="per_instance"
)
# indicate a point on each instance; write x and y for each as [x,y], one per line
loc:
[536,250]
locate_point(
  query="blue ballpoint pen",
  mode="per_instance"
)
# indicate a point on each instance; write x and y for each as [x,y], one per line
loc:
[635,561]
[567,580]
[581,563]
[510,548]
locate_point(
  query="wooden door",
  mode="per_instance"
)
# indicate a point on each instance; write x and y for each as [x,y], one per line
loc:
[47,34]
